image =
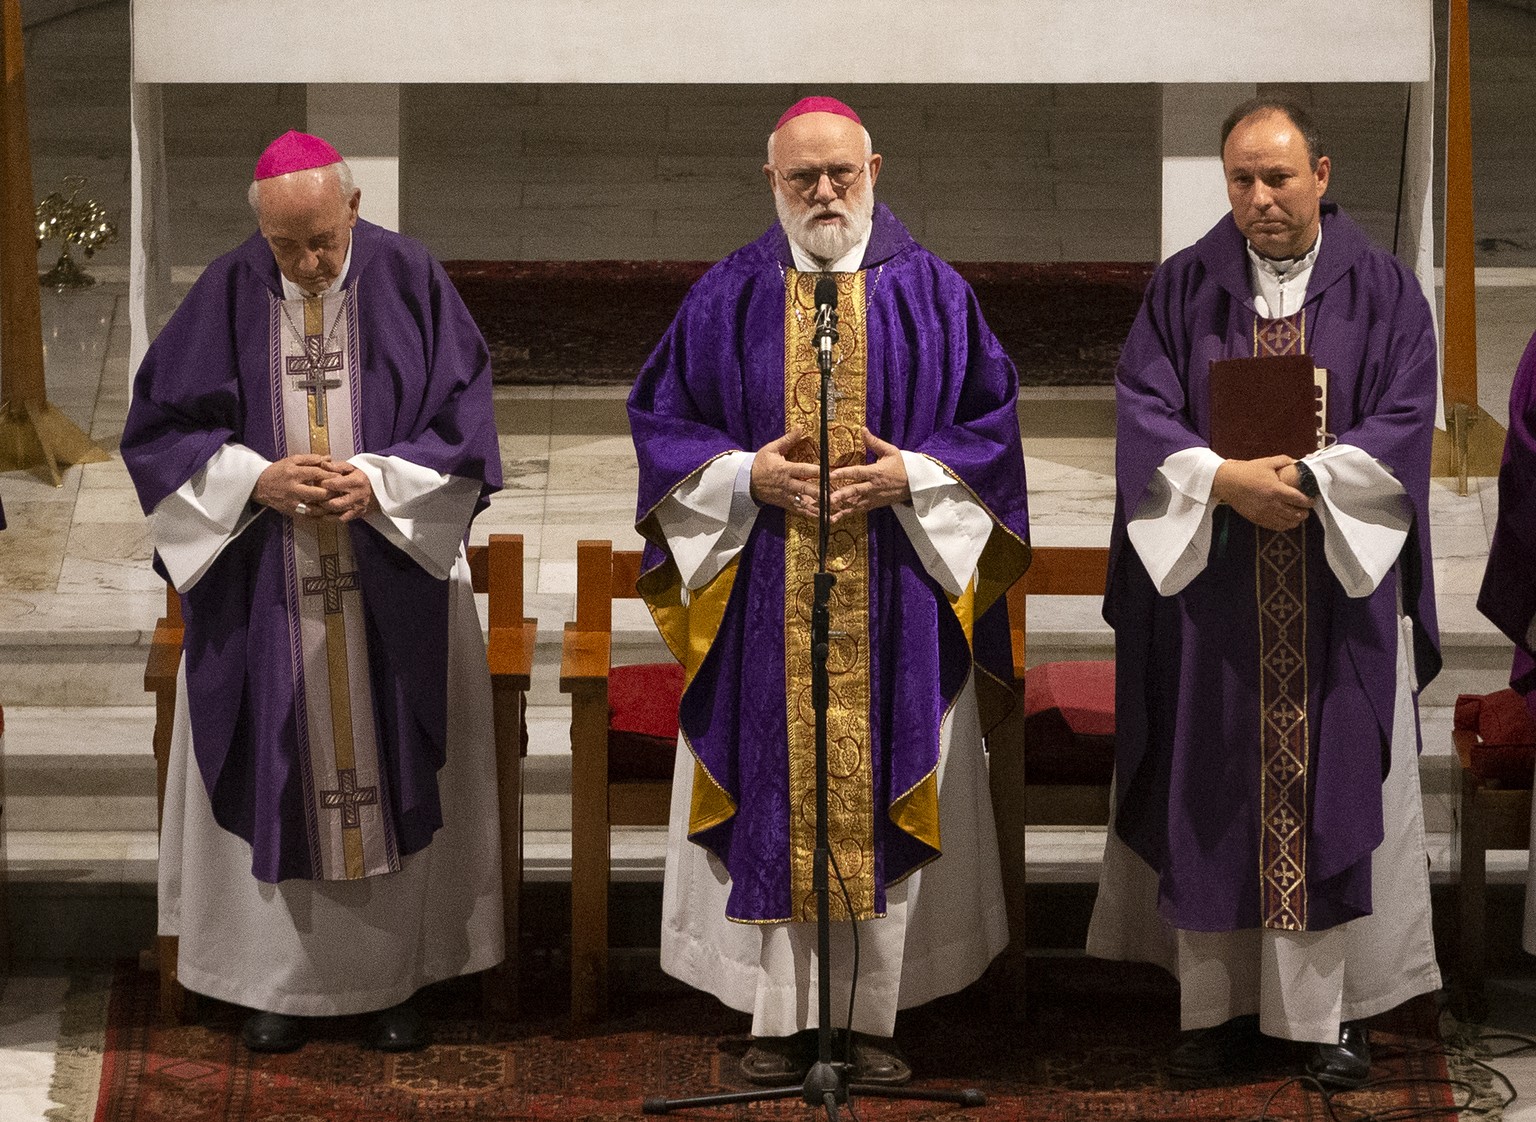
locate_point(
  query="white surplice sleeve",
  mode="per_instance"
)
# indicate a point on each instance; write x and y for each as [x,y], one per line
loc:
[944,522]
[709,516]
[1171,529]
[1364,511]
[422,512]
[190,527]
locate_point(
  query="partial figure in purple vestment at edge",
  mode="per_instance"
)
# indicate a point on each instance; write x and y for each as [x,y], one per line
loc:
[1273,620]
[1508,595]
[311,435]
[930,528]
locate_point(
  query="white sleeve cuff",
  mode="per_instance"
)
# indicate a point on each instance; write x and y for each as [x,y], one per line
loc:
[708,517]
[1366,516]
[190,527]
[1171,529]
[420,511]
[946,525]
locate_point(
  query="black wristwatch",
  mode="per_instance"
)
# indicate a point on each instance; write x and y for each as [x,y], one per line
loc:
[1306,482]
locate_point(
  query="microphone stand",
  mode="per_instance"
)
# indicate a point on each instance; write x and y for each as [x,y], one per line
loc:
[827,1083]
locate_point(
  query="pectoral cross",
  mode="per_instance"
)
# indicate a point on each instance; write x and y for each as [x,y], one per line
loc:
[313,366]
[834,395]
[331,583]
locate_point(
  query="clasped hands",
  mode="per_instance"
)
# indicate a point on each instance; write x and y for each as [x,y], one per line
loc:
[1264,491]
[784,474]
[311,486]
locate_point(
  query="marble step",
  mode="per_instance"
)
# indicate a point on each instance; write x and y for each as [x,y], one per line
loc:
[80,789]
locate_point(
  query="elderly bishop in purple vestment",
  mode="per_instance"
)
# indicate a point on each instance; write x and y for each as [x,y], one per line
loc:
[1273,620]
[929,529]
[311,435]
[1508,594]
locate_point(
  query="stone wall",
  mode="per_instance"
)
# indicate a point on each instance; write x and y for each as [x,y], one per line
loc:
[567,172]
[1027,172]
[979,172]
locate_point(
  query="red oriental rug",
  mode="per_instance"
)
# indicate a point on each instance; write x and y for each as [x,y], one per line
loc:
[595,322]
[1092,1048]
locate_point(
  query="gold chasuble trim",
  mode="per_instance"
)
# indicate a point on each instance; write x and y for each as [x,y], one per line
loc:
[1284,724]
[334,699]
[850,764]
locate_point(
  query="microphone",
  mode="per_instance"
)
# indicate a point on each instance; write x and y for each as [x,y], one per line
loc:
[826,320]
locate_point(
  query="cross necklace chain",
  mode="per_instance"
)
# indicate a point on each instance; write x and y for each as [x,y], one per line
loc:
[316,359]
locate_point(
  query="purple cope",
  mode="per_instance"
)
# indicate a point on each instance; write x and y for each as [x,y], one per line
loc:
[1187,680]
[426,398]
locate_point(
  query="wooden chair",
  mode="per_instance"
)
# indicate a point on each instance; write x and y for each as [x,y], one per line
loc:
[496,570]
[1495,814]
[620,775]
[1044,771]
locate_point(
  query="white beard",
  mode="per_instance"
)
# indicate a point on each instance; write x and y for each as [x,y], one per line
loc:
[826,242]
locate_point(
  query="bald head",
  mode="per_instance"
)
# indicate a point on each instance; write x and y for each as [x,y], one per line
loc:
[822,169]
[306,218]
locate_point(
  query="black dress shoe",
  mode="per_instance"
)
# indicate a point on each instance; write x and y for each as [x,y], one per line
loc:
[877,1060]
[1346,1064]
[273,1032]
[1211,1053]
[399,1029]
[775,1061]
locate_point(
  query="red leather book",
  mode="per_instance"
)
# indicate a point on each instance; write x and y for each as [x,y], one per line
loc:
[1267,406]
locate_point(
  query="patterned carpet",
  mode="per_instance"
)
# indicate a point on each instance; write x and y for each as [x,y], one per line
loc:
[1091,1049]
[594,322]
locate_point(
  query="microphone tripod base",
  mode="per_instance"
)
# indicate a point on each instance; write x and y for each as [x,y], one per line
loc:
[825,1079]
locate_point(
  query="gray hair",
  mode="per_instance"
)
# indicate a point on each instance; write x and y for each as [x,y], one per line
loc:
[869,145]
[344,184]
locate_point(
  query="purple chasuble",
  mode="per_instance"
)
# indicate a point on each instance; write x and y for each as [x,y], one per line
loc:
[424,396]
[1188,789]
[938,383]
[1508,593]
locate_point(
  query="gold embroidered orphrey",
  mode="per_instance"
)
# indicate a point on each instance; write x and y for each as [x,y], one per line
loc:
[1284,727]
[850,779]
[338,747]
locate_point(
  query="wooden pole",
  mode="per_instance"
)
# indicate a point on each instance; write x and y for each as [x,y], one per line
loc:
[1475,440]
[32,432]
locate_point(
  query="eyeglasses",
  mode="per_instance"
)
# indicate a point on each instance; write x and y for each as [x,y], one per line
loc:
[806,180]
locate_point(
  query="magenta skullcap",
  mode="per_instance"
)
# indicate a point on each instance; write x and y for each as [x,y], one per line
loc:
[295,151]
[816,105]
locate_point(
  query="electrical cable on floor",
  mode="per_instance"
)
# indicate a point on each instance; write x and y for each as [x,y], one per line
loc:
[853,984]
[1339,1108]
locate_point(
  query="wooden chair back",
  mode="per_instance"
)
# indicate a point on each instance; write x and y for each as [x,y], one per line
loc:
[599,801]
[1018,804]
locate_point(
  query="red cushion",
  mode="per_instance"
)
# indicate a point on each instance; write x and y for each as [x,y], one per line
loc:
[1069,723]
[1505,751]
[642,720]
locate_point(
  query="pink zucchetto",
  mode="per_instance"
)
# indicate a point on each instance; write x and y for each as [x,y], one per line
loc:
[295,151]
[816,105]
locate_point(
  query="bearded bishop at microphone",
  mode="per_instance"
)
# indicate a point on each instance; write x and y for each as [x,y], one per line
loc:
[311,435]
[930,528]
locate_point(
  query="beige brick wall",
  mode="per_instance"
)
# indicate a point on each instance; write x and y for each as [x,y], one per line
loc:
[1001,173]
[565,172]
